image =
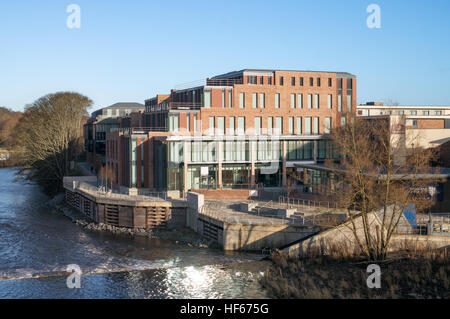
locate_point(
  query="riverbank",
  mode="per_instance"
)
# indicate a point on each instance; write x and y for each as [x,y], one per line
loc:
[182,236]
[413,275]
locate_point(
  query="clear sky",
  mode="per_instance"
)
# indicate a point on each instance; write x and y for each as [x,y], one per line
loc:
[128,51]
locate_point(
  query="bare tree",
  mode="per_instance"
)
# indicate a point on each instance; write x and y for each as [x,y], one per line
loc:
[50,136]
[373,178]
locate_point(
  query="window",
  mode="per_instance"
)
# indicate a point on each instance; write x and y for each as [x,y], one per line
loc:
[188,122]
[425,112]
[207,99]
[255,100]
[300,101]
[299,125]
[316,125]
[269,80]
[330,82]
[340,102]
[279,125]
[327,125]
[414,112]
[261,80]
[343,120]
[258,125]
[349,102]
[211,125]
[262,100]
[311,82]
[195,122]
[293,81]
[231,131]
[309,101]
[270,125]
[223,98]
[446,123]
[307,125]
[281,80]
[291,125]
[252,79]
[330,101]
[414,124]
[277,100]
[174,122]
[221,125]
[316,101]
[241,100]
[292,101]
[301,81]
[437,112]
[230,100]
[241,125]
[318,81]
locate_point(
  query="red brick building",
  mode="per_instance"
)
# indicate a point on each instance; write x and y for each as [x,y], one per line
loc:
[233,131]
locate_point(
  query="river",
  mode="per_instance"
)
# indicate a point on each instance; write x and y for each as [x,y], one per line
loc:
[37,244]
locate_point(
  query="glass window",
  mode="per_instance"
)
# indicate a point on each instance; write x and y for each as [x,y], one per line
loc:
[330,101]
[279,125]
[262,100]
[299,125]
[188,122]
[292,101]
[300,101]
[258,125]
[241,100]
[277,100]
[270,125]
[349,102]
[316,125]
[207,99]
[241,125]
[309,101]
[254,100]
[195,122]
[221,125]
[340,102]
[316,101]
[291,125]
[231,132]
[230,98]
[211,125]
[327,125]
[307,125]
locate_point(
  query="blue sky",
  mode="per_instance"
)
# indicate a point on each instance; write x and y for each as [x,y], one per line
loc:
[132,50]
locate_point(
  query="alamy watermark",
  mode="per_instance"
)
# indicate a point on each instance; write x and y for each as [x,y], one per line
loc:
[74,279]
[374,19]
[74,19]
[374,279]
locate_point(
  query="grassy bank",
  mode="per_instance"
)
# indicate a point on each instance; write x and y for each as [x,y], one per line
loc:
[407,275]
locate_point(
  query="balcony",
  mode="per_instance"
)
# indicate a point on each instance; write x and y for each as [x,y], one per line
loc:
[175,106]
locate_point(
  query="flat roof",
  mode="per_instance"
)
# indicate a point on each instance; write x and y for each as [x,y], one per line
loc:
[237,73]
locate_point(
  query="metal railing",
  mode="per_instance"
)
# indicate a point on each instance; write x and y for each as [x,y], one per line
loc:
[302,203]
[223,82]
[141,130]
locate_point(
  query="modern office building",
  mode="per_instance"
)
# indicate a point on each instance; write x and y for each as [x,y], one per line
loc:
[420,126]
[233,131]
[101,122]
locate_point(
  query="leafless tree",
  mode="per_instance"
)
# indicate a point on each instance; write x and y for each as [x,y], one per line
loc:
[372,178]
[50,136]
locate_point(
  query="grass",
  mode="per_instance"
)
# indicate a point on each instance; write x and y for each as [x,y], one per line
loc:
[337,275]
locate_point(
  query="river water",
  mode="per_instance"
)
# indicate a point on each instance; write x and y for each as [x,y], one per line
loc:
[37,244]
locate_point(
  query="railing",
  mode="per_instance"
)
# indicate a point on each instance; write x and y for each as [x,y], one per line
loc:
[141,130]
[174,106]
[223,82]
[302,203]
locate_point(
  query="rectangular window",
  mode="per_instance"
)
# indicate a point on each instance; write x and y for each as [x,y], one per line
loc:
[252,79]
[281,80]
[277,100]
[316,125]
[293,81]
[327,125]
[230,99]
[221,125]
[414,122]
[413,112]
[300,101]
[258,125]
[292,101]
[330,82]
[316,101]
[340,102]
[270,125]
[330,101]
[188,122]
[425,112]
[349,102]
[309,101]
[343,120]
[231,131]
[223,98]
[299,125]
[318,81]
[262,100]
[261,80]
[195,122]
[279,125]
[241,125]
[211,125]
[207,99]
[269,80]
[307,125]
[255,100]
[241,100]
[291,125]
[301,81]
[311,82]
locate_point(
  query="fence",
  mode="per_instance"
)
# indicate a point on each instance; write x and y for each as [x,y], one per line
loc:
[302,203]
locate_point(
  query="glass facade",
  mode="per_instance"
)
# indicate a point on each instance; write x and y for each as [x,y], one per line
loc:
[236,175]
